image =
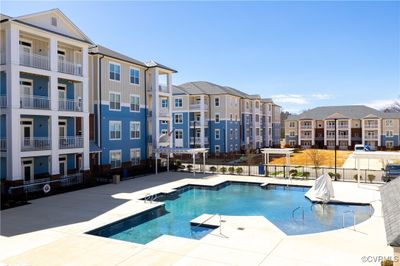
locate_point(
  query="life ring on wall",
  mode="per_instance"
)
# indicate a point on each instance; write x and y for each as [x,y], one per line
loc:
[46,188]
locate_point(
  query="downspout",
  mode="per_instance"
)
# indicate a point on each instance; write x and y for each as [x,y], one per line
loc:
[99,104]
[145,113]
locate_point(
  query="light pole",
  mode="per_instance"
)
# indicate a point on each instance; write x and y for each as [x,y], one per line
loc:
[194,138]
[335,146]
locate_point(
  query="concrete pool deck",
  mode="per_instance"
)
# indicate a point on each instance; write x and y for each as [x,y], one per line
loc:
[51,231]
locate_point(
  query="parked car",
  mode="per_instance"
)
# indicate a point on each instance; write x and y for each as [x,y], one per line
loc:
[392,171]
[361,147]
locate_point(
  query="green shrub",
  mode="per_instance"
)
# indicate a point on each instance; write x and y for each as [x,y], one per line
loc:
[306,175]
[355,177]
[239,170]
[189,167]
[231,170]
[223,170]
[332,175]
[371,178]
[293,172]
[213,169]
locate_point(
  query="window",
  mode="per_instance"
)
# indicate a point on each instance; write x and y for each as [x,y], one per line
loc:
[236,117]
[236,147]
[330,133]
[236,133]
[178,134]
[389,133]
[257,118]
[178,103]
[389,144]
[217,134]
[164,122]
[54,21]
[216,118]
[115,71]
[216,102]
[135,101]
[292,143]
[291,123]
[115,101]
[115,130]
[231,117]
[164,103]
[257,104]
[135,156]
[178,118]
[217,149]
[247,105]
[115,159]
[231,133]
[134,75]
[134,129]
[389,123]
[164,132]
[292,133]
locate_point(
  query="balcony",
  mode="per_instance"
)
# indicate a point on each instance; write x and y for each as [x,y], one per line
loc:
[197,106]
[305,127]
[163,88]
[371,125]
[3,144]
[198,140]
[343,136]
[164,112]
[371,137]
[192,123]
[343,126]
[34,60]
[70,105]
[36,144]
[3,101]
[305,136]
[71,142]
[70,68]
[35,102]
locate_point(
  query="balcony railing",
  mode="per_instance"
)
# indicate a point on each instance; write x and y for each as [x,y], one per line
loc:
[305,137]
[3,144]
[71,142]
[3,101]
[34,60]
[343,136]
[70,68]
[371,125]
[164,112]
[305,127]
[70,105]
[198,140]
[35,102]
[192,123]
[163,88]
[197,106]
[343,126]
[373,137]
[35,144]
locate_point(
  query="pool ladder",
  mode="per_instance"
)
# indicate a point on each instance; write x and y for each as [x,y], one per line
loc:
[354,219]
[209,218]
[302,213]
[150,198]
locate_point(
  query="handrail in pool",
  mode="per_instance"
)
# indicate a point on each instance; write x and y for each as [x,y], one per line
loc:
[302,209]
[354,219]
[209,218]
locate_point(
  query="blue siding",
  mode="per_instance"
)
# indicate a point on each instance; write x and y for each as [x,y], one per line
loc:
[234,125]
[70,125]
[221,142]
[41,165]
[276,133]
[71,161]
[3,168]
[40,84]
[3,133]
[40,125]
[395,140]
[3,83]
[70,88]
[125,144]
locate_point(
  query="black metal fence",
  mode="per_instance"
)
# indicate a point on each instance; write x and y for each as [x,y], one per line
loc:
[290,171]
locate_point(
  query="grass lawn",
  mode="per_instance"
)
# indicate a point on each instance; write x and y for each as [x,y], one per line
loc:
[327,158]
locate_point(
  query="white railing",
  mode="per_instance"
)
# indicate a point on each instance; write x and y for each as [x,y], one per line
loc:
[34,60]
[35,144]
[3,144]
[35,102]
[305,137]
[192,123]
[197,106]
[198,140]
[3,101]
[164,112]
[343,126]
[343,136]
[163,88]
[306,127]
[374,137]
[371,125]
[70,68]
[70,105]
[70,142]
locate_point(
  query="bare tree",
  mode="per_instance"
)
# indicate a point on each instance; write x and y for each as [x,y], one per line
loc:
[316,159]
[393,108]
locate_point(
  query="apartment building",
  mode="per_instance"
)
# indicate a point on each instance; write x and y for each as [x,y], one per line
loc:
[129,106]
[355,124]
[222,118]
[44,97]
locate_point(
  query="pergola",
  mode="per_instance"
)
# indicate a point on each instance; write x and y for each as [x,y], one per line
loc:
[268,151]
[193,152]
[381,155]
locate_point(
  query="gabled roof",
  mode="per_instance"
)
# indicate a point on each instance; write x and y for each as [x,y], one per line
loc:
[347,111]
[98,49]
[390,195]
[176,90]
[155,64]
[29,20]
[205,87]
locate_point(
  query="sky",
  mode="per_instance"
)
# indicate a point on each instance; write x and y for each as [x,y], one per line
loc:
[302,54]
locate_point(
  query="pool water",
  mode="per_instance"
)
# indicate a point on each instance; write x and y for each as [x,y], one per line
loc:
[275,202]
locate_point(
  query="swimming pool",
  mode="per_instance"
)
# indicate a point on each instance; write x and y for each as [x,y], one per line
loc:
[275,202]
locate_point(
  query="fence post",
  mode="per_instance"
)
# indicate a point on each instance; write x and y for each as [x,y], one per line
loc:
[248,170]
[284,171]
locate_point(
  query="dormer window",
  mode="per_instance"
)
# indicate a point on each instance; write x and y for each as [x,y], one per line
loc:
[54,21]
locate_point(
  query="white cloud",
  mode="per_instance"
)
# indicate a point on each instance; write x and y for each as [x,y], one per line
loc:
[290,98]
[322,96]
[380,104]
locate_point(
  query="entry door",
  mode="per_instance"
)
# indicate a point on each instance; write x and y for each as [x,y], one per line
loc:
[26,94]
[178,138]
[27,134]
[62,96]
[27,170]
[63,166]
[61,60]
[25,49]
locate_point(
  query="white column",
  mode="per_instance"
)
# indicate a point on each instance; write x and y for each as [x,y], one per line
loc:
[86,153]
[13,128]
[363,131]
[325,133]
[349,129]
[155,108]
[85,82]
[202,118]
[312,132]
[53,55]
[379,132]
[55,152]
[169,84]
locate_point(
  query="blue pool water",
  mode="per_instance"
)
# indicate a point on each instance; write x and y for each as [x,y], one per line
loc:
[275,202]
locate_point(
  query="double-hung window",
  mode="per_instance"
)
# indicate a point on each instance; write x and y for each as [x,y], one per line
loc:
[216,118]
[134,129]
[135,156]
[216,102]
[217,134]
[115,130]
[115,159]
[178,103]
[134,103]
[164,103]
[178,118]
[115,72]
[115,101]
[134,75]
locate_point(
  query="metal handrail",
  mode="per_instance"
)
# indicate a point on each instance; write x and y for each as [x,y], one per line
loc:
[294,211]
[354,219]
[150,198]
[209,218]
[47,181]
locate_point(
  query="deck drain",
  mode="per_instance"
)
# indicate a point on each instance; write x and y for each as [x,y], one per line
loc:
[240,228]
